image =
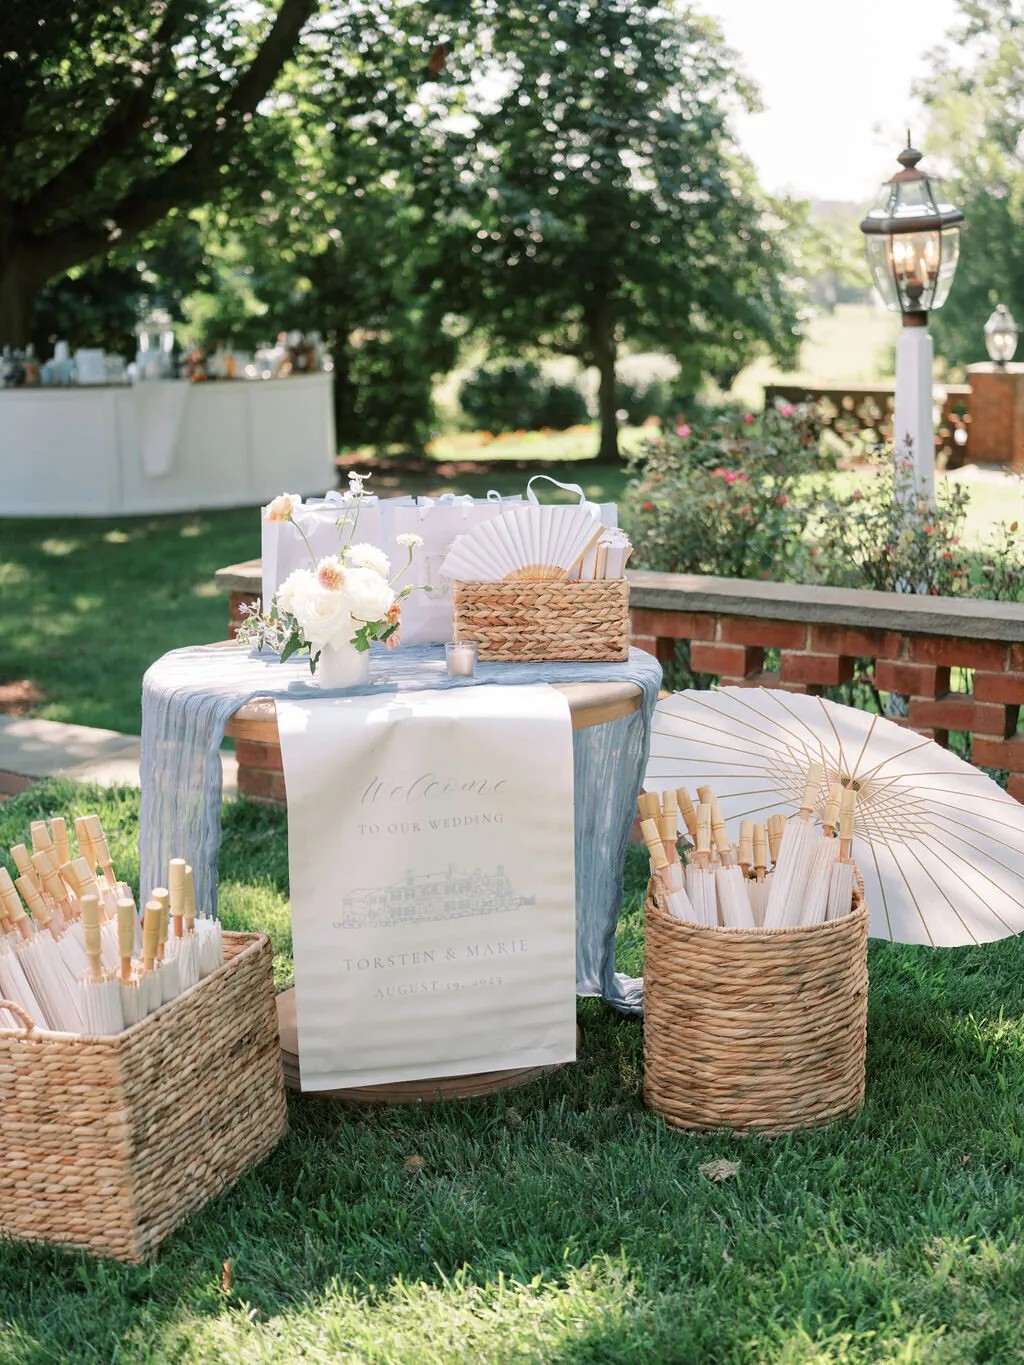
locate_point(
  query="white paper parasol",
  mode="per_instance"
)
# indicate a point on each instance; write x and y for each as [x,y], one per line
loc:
[757,889]
[169,973]
[733,901]
[186,949]
[796,858]
[939,845]
[700,880]
[52,983]
[840,889]
[99,995]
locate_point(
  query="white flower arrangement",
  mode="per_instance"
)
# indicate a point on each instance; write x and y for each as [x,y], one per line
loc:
[350,597]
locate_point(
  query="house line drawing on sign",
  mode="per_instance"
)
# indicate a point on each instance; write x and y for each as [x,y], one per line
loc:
[452,894]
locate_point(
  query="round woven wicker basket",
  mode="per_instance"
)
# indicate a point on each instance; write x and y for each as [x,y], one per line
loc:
[754,1030]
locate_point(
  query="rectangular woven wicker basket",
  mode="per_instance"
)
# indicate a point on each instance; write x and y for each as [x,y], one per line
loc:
[754,1030]
[534,620]
[110,1143]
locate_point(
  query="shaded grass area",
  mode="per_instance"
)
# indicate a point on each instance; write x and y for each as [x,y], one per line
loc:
[86,606]
[563,1222]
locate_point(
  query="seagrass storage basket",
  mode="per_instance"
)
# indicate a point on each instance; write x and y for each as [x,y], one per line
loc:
[533,620]
[110,1143]
[754,1030]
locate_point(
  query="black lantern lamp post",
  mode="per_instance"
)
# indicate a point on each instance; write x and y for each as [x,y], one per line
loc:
[1001,336]
[912,244]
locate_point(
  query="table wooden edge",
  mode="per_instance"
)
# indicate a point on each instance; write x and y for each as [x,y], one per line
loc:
[591,703]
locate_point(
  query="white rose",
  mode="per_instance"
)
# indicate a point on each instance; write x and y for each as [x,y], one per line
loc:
[369,557]
[324,616]
[369,596]
[294,587]
[410,540]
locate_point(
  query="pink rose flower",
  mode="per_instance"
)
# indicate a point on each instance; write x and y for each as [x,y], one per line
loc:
[682,430]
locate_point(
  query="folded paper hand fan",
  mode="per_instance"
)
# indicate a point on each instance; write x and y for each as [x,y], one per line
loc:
[524,543]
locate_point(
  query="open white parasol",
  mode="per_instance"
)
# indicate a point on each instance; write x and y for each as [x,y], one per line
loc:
[940,846]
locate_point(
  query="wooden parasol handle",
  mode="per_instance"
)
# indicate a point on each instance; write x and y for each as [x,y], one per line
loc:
[41,841]
[84,843]
[652,838]
[719,832]
[23,862]
[760,851]
[176,882]
[847,820]
[776,828]
[669,827]
[688,811]
[190,900]
[125,935]
[93,941]
[831,817]
[814,775]
[746,845]
[59,835]
[703,830]
[150,933]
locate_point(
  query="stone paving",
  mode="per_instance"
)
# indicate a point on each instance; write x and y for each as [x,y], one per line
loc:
[32,749]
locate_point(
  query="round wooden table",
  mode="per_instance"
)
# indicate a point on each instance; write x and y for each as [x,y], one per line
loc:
[595,703]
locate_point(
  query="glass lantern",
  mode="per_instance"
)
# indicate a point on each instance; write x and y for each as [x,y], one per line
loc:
[1001,335]
[155,339]
[912,242]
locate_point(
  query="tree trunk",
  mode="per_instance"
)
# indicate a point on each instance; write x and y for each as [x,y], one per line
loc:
[343,389]
[604,349]
[19,287]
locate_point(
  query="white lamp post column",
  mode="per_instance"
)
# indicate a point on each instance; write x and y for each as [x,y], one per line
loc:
[913,428]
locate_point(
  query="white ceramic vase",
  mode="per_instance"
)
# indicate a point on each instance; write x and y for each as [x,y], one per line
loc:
[343,666]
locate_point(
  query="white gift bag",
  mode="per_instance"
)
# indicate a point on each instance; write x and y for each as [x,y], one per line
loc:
[285,550]
[607,513]
[427,616]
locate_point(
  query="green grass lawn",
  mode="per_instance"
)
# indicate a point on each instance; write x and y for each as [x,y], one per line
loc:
[563,1222]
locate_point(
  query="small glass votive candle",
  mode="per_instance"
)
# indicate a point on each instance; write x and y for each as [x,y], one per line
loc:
[460,656]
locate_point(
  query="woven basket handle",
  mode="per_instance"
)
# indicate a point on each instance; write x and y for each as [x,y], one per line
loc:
[20,1013]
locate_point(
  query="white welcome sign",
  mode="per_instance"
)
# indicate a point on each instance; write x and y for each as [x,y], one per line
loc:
[432,883]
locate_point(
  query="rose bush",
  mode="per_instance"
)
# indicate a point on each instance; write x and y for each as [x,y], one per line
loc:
[729,496]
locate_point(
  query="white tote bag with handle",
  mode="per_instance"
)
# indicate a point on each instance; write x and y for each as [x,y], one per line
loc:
[326,524]
[607,513]
[427,616]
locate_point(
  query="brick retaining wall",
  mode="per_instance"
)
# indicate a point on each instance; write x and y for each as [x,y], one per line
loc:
[917,646]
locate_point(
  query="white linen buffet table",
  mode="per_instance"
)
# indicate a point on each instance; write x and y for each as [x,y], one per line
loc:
[163,445]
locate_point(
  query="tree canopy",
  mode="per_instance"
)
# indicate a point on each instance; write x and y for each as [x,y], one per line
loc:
[558,178]
[975,103]
[601,200]
[113,115]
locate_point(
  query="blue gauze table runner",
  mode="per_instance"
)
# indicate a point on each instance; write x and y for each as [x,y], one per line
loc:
[189,695]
